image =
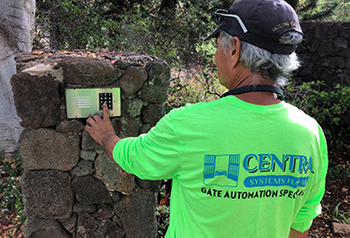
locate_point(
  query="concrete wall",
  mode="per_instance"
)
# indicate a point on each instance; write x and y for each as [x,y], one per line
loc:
[16,25]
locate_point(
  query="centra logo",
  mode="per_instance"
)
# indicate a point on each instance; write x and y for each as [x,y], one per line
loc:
[221,170]
[263,169]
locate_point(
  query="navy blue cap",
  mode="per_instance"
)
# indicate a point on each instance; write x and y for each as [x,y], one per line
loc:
[260,23]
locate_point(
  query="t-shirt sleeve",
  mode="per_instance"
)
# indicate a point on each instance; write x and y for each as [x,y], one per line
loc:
[312,207]
[153,155]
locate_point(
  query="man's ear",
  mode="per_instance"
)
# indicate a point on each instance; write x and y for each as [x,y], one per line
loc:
[235,50]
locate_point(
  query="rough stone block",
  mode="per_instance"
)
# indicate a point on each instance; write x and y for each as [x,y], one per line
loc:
[112,175]
[321,32]
[47,194]
[155,90]
[126,126]
[117,221]
[345,53]
[127,59]
[70,223]
[342,229]
[48,149]
[153,113]
[307,25]
[337,63]
[88,143]
[90,227]
[345,32]
[39,228]
[137,213]
[325,49]
[132,107]
[88,155]
[84,208]
[132,80]
[114,75]
[90,190]
[145,128]
[49,68]
[314,44]
[83,168]
[37,99]
[86,71]
[150,185]
[340,43]
[333,31]
[115,196]
[104,212]
[70,127]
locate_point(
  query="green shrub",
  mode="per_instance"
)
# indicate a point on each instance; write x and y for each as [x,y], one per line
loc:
[328,105]
[11,200]
[193,87]
[336,214]
[338,173]
[162,215]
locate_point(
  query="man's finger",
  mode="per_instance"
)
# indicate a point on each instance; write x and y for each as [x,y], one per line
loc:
[105,111]
[97,117]
[87,128]
[90,120]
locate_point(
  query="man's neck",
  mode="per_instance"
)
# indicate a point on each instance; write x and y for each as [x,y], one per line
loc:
[257,97]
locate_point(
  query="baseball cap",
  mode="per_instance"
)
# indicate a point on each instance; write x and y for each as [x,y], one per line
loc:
[260,23]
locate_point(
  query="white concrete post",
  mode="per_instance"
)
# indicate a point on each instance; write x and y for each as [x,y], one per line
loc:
[17,19]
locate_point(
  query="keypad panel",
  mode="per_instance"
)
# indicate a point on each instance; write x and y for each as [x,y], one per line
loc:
[106,98]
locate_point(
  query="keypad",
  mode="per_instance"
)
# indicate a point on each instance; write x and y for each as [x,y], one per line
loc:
[106,98]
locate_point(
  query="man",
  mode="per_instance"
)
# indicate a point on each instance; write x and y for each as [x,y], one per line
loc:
[248,164]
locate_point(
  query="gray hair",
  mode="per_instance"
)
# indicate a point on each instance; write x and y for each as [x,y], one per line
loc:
[274,67]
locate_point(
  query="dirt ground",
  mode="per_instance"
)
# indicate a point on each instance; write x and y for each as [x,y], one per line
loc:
[336,201]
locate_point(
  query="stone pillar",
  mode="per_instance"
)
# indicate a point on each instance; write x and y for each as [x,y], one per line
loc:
[70,185]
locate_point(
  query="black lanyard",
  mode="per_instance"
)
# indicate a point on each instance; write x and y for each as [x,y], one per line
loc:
[254,88]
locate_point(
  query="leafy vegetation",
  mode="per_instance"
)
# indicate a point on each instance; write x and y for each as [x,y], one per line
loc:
[338,173]
[327,105]
[11,200]
[162,219]
[158,25]
[329,10]
[337,215]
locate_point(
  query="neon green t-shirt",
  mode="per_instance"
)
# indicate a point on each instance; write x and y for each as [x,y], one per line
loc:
[238,169]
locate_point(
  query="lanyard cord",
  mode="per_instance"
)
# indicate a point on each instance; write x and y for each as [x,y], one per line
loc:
[254,88]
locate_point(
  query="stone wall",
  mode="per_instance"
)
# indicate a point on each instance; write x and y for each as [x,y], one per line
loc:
[70,185]
[325,53]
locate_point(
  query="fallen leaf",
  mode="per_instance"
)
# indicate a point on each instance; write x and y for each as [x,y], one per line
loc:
[163,201]
[38,52]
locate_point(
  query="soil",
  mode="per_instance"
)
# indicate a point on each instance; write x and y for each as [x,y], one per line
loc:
[336,201]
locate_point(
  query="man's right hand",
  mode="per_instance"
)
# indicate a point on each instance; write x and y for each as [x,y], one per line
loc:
[102,131]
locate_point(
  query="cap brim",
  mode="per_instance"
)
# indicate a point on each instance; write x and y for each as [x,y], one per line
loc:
[214,33]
